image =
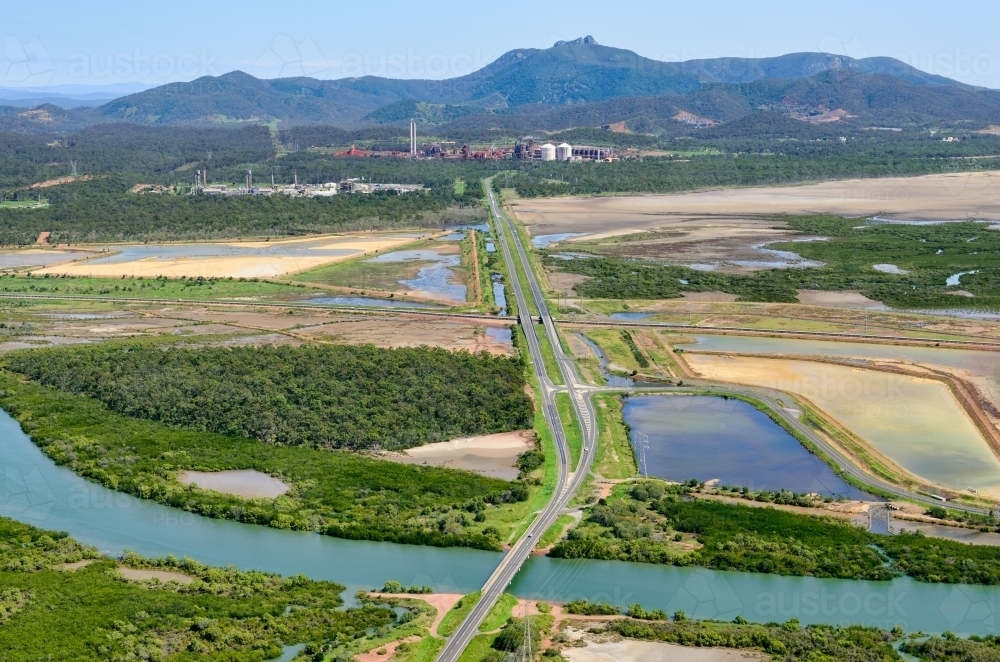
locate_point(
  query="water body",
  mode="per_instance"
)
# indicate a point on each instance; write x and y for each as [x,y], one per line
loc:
[954,279]
[38,257]
[454,236]
[502,334]
[34,490]
[132,252]
[544,240]
[499,293]
[602,361]
[630,316]
[985,364]
[434,278]
[367,302]
[707,438]
[491,247]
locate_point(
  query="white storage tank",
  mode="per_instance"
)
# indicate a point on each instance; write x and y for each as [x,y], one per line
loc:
[564,152]
[548,152]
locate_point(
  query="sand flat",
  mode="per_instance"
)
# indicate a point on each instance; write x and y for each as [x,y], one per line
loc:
[204,260]
[915,422]
[629,650]
[491,455]
[839,300]
[246,483]
[930,197]
[162,575]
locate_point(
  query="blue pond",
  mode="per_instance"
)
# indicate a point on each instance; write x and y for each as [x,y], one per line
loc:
[630,316]
[367,302]
[705,438]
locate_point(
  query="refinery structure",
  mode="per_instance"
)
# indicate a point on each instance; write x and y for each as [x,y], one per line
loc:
[326,189]
[528,148]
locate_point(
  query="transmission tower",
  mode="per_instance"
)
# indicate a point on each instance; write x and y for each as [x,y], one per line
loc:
[72,164]
[526,648]
[642,441]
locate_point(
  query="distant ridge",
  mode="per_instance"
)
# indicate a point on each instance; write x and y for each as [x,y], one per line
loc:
[544,85]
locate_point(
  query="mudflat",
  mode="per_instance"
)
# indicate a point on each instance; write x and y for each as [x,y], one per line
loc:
[162,575]
[930,197]
[246,483]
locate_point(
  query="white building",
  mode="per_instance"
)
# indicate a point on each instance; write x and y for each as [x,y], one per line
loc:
[548,152]
[564,152]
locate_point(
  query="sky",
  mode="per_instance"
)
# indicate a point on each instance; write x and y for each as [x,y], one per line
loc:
[49,45]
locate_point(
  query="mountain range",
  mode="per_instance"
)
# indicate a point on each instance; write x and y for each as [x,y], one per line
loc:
[573,83]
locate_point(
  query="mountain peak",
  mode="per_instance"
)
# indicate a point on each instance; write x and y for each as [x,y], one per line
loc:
[588,40]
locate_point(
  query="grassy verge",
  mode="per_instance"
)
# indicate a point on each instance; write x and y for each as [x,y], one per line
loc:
[615,455]
[500,614]
[454,618]
[554,532]
[574,436]
[425,650]
[614,349]
[480,646]
[548,355]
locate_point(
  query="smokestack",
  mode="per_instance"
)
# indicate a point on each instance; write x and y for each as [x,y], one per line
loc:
[413,138]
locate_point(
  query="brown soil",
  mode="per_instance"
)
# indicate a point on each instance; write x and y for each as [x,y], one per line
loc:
[491,455]
[162,575]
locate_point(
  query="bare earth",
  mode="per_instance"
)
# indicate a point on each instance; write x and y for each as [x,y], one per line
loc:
[163,575]
[240,266]
[491,455]
[443,602]
[246,483]
[839,299]
[931,197]
[628,650]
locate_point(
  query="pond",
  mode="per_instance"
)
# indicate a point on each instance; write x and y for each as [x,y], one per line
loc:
[545,240]
[35,491]
[706,438]
[435,278]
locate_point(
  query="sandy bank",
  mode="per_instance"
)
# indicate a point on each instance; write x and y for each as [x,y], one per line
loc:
[491,455]
[162,575]
[628,650]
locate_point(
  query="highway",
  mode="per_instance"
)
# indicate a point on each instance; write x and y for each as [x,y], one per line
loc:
[568,480]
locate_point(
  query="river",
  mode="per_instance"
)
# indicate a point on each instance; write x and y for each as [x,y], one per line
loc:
[36,491]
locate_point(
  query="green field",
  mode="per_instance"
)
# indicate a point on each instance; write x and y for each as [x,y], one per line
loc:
[615,456]
[24,204]
[197,289]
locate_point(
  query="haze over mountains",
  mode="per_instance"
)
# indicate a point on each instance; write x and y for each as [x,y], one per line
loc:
[576,83]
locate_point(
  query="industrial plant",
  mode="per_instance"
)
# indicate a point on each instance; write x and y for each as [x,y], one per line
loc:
[326,189]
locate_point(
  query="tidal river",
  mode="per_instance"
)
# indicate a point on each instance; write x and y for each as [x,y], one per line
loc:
[36,491]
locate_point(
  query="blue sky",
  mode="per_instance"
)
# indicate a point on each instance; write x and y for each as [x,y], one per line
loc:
[111,41]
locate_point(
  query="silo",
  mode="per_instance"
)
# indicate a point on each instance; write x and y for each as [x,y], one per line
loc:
[548,152]
[564,152]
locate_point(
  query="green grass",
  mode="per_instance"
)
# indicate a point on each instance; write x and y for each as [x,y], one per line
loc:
[553,533]
[199,289]
[614,348]
[548,355]
[23,204]
[454,618]
[459,187]
[615,456]
[425,650]
[574,437]
[478,648]
[500,614]
[361,273]
[334,492]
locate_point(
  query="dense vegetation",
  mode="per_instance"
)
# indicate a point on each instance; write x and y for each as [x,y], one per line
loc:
[668,175]
[929,253]
[338,493]
[326,396]
[224,614]
[655,524]
[786,642]
[106,210]
[949,648]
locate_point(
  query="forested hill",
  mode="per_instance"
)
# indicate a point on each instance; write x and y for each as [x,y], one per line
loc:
[329,396]
[535,83]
